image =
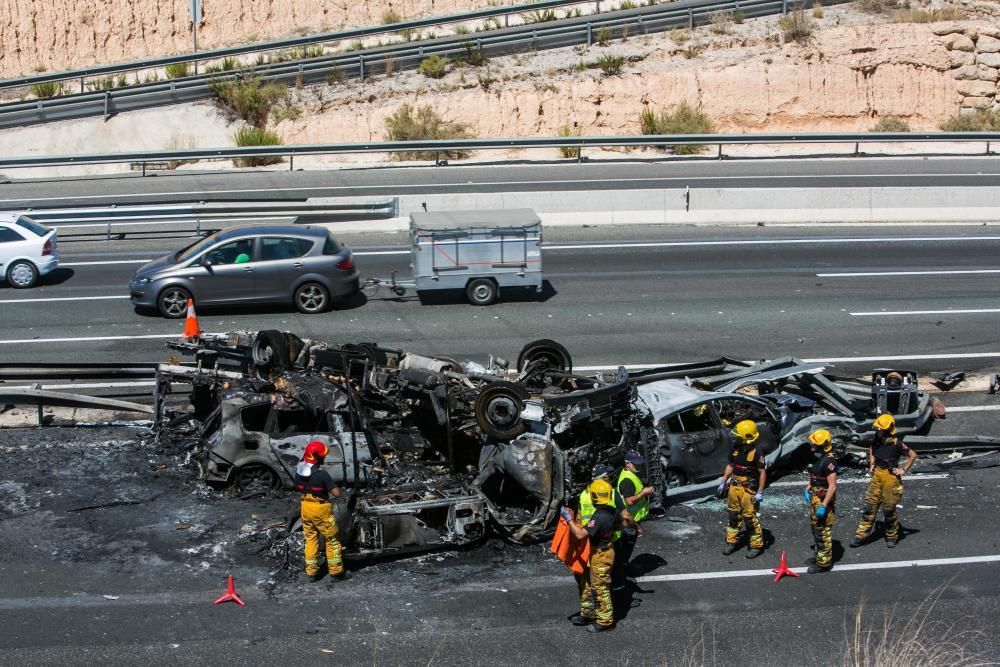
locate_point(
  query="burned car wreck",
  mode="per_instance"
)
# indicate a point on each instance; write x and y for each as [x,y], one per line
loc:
[432,451]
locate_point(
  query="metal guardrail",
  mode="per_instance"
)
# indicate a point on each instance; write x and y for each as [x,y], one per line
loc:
[359,64]
[444,148]
[120,221]
[278,45]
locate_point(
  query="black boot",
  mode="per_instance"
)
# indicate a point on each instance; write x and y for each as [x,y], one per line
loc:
[730,549]
[890,544]
[816,569]
[811,560]
[580,620]
[856,542]
[753,553]
[594,627]
[343,576]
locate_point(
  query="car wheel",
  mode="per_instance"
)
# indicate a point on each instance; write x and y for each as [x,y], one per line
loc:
[498,410]
[256,478]
[481,292]
[172,302]
[270,351]
[554,355]
[22,274]
[311,298]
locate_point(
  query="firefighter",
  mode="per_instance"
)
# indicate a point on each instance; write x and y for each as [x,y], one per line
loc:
[596,609]
[317,487]
[745,475]
[820,493]
[886,486]
[635,497]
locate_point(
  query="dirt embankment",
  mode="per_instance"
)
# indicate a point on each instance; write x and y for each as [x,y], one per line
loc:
[67,34]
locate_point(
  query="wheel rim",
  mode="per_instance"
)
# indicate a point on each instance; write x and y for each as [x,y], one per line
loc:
[257,478]
[175,302]
[482,292]
[22,275]
[312,298]
[502,412]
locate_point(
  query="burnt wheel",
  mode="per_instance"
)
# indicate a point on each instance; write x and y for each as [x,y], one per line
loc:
[498,410]
[172,302]
[552,354]
[256,478]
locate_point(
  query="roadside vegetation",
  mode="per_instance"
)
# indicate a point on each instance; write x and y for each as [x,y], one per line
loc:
[249,98]
[424,123]
[983,120]
[569,151]
[891,124]
[256,136]
[679,119]
[797,26]
[177,70]
[47,89]
[434,67]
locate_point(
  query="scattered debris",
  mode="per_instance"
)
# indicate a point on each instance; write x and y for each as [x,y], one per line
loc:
[113,503]
[947,381]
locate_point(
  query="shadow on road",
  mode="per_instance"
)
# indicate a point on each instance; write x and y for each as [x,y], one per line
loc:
[55,277]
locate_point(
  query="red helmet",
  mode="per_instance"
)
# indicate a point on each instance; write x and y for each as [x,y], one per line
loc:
[314,450]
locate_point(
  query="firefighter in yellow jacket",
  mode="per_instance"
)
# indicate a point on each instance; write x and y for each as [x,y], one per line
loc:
[317,487]
[821,493]
[885,489]
[596,608]
[745,475]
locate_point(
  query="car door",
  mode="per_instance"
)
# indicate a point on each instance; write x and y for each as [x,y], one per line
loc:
[225,273]
[11,245]
[737,408]
[698,443]
[280,263]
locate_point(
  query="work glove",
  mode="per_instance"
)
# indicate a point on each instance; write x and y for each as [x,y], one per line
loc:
[566,514]
[722,488]
[759,497]
[821,511]
[805,494]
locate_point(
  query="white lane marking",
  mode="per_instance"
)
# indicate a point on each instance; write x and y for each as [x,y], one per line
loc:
[738,242]
[907,273]
[890,313]
[114,261]
[848,567]
[973,408]
[89,339]
[864,480]
[649,179]
[828,360]
[64,298]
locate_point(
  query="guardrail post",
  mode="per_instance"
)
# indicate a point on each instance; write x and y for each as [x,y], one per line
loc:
[642,26]
[361,67]
[597,6]
[857,150]
[291,163]
[590,34]
[720,151]
[987,148]
[436,160]
[579,154]
[690,19]
[41,415]
[107,235]
[784,7]
[107,103]
[395,207]
[506,20]
[81,84]
[144,170]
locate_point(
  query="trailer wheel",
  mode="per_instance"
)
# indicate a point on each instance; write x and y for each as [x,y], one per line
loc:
[481,291]
[498,410]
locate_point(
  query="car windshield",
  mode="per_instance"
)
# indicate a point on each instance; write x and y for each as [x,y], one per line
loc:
[32,226]
[196,248]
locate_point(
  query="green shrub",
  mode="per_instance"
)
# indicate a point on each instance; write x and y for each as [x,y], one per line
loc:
[357,45]
[603,35]
[539,16]
[255,136]
[611,65]
[890,124]
[473,56]
[628,4]
[679,119]
[461,29]
[48,89]
[691,51]
[105,83]
[568,151]
[796,26]
[177,70]
[224,65]
[247,97]
[739,17]
[423,123]
[434,67]
[983,120]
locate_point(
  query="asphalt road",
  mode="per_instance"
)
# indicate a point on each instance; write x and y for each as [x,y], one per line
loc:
[924,297]
[635,172]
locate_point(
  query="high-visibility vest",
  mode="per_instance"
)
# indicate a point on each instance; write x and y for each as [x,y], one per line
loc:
[640,509]
[587,507]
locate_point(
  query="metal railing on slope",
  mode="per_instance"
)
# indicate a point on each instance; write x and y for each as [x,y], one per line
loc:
[444,148]
[359,64]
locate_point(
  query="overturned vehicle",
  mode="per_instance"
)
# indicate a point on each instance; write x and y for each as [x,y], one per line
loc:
[432,451]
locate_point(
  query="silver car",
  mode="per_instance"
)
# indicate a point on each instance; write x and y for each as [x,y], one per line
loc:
[250,265]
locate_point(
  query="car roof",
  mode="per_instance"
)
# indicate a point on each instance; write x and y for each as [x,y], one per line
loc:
[301,231]
[8,218]
[665,397]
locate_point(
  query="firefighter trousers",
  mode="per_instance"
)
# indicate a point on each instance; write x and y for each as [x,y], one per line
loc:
[595,587]
[317,519]
[885,490]
[742,509]
[821,529]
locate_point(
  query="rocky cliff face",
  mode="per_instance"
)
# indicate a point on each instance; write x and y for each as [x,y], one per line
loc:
[67,34]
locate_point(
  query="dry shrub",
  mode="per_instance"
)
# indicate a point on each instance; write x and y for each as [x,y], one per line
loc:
[891,124]
[817,10]
[249,98]
[932,15]
[721,23]
[983,120]
[796,26]
[569,151]
[876,6]
[678,119]
[424,123]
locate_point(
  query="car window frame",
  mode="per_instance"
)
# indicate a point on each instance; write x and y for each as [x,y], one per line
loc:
[24,222]
[13,230]
[283,237]
[238,239]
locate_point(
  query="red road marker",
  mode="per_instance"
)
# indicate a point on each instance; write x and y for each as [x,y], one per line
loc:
[779,571]
[231,595]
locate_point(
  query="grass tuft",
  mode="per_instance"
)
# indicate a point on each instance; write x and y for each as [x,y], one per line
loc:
[47,89]
[256,136]
[434,67]
[983,120]
[678,119]
[796,26]
[890,124]
[423,123]
[177,70]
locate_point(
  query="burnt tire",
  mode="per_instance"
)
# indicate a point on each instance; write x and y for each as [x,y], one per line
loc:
[498,410]
[311,298]
[270,351]
[256,478]
[172,302]
[554,355]
[481,291]
[22,274]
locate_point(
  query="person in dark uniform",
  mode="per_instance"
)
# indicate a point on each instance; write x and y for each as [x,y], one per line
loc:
[745,475]
[317,488]
[596,608]
[885,489]
[821,493]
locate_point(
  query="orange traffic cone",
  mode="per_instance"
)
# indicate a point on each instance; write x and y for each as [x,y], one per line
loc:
[191,328]
[783,569]
[230,595]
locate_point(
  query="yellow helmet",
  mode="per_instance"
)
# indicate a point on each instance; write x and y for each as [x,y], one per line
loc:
[886,423]
[600,492]
[821,439]
[746,431]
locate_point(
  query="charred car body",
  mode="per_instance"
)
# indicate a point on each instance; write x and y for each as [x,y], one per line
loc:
[432,451]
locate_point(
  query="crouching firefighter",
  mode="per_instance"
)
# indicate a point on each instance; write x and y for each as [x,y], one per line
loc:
[317,487]
[820,494]
[885,489]
[745,475]
[596,609]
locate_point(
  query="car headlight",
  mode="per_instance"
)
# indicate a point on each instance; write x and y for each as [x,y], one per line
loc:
[140,282]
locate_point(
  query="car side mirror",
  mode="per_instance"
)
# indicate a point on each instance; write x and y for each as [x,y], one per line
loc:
[205,260]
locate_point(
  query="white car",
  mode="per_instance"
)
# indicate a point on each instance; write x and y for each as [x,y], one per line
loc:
[28,250]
